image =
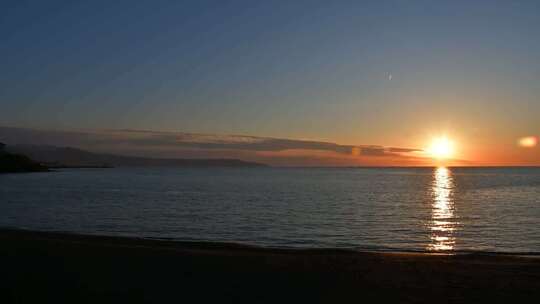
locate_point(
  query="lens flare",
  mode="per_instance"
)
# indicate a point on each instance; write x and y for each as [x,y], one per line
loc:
[528,142]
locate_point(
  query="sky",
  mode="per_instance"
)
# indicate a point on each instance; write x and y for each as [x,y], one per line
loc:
[389,74]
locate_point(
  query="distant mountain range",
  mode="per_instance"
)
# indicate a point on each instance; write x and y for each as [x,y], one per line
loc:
[56,157]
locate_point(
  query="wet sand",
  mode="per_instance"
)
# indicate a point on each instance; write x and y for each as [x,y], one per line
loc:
[39,267]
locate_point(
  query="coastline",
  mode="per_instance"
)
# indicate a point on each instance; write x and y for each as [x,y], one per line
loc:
[62,267]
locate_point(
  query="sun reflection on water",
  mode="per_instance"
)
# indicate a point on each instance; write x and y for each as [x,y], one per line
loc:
[443,223]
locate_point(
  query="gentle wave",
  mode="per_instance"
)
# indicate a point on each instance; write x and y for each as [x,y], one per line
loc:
[450,210]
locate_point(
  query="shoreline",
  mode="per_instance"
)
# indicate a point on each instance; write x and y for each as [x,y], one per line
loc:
[57,267]
[183,243]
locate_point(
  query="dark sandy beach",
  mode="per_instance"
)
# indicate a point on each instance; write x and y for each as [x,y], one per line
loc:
[40,267]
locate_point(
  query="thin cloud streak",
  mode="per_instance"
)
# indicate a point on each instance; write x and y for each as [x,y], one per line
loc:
[181,144]
[249,143]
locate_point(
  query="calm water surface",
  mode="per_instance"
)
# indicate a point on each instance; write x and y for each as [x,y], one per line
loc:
[427,209]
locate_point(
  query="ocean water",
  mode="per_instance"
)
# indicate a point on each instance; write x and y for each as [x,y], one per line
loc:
[396,209]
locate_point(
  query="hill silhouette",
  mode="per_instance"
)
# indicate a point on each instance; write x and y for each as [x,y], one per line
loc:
[72,157]
[10,162]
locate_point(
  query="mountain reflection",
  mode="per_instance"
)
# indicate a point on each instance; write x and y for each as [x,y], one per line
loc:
[443,222]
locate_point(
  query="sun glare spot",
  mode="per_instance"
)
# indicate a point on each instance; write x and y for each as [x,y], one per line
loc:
[444,221]
[441,148]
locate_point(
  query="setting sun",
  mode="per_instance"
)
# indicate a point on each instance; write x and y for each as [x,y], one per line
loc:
[441,148]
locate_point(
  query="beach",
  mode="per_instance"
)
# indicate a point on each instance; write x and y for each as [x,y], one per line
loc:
[68,268]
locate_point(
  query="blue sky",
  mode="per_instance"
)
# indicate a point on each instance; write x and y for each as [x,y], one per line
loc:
[296,69]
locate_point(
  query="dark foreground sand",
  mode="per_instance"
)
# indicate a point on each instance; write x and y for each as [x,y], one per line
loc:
[41,267]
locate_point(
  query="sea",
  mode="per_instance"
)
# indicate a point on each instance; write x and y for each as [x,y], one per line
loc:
[448,210]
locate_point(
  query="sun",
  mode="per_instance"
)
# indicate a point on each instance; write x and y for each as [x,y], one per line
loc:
[441,148]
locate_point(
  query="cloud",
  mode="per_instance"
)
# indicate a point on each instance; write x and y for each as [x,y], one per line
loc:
[181,144]
[246,143]
[403,150]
